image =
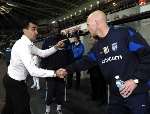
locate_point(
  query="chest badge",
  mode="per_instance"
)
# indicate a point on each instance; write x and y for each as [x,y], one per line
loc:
[106,50]
[114,46]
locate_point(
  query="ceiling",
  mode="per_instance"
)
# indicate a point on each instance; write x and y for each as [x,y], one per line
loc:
[13,12]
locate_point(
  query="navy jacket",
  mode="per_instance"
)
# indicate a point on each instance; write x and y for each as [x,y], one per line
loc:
[122,52]
[58,59]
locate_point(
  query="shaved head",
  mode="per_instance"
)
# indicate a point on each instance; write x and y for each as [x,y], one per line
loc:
[97,23]
[97,15]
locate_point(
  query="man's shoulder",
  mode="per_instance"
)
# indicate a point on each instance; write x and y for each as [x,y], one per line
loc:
[120,27]
[123,27]
[82,44]
[19,44]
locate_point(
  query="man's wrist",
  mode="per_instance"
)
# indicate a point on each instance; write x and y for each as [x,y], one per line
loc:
[54,75]
[55,46]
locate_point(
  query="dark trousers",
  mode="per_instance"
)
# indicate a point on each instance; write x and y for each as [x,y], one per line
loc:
[77,83]
[17,97]
[56,89]
[135,104]
[98,85]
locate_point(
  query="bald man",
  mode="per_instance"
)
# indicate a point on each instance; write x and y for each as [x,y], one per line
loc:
[118,51]
[97,24]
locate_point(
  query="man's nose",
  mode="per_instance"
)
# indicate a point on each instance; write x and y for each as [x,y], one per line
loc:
[36,32]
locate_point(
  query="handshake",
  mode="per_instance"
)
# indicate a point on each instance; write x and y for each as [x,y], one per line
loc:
[61,73]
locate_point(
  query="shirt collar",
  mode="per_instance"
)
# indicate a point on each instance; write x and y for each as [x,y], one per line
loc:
[26,39]
[77,43]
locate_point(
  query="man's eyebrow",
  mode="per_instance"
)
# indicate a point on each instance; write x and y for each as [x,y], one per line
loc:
[34,27]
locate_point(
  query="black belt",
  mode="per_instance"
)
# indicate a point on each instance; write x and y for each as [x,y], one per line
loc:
[21,81]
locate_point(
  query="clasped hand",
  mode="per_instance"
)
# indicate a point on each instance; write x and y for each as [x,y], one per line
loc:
[61,73]
[128,87]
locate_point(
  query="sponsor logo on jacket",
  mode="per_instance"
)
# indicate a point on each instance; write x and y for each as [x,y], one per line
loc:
[113,58]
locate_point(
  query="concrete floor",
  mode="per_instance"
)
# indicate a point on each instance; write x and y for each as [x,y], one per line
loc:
[78,102]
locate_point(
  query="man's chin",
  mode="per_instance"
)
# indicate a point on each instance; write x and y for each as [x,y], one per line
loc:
[34,38]
[95,37]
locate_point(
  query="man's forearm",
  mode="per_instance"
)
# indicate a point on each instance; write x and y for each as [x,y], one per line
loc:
[80,65]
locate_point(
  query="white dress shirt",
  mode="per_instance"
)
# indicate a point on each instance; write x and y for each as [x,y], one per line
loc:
[21,62]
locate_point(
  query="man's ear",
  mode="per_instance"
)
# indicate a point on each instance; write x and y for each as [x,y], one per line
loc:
[24,30]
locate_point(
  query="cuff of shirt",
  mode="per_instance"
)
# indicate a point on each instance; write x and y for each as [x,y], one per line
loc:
[55,47]
[51,73]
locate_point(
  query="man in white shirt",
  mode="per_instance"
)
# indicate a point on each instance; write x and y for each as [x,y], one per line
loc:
[21,64]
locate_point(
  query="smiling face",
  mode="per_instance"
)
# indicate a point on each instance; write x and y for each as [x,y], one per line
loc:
[31,31]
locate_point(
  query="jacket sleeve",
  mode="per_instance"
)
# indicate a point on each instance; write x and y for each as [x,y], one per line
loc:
[86,62]
[138,46]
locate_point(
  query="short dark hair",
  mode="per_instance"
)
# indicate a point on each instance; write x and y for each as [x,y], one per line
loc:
[77,36]
[25,24]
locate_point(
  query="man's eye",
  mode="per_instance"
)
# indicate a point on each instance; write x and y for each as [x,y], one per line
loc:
[33,29]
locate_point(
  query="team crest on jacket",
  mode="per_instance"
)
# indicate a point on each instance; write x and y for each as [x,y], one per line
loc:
[114,46]
[106,50]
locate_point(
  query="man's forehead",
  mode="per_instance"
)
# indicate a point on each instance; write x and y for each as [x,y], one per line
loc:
[96,15]
[92,15]
[32,25]
[89,20]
